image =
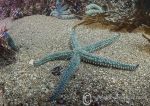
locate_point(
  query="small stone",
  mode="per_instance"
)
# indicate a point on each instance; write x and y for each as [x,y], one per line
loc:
[31,62]
[51,85]
[57,70]
[61,101]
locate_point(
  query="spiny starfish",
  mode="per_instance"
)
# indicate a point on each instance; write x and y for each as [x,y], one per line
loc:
[62,11]
[93,9]
[79,54]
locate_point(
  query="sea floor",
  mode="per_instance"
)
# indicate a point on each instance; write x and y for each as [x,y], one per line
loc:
[37,36]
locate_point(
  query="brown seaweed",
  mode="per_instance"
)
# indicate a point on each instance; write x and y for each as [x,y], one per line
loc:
[146,33]
[99,18]
[138,18]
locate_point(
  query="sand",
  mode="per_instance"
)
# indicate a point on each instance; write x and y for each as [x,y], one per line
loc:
[37,36]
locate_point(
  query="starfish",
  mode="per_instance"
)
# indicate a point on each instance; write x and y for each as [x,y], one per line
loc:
[62,11]
[6,40]
[78,54]
[93,9]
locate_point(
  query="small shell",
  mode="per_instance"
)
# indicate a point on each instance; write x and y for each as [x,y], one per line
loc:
[31,62]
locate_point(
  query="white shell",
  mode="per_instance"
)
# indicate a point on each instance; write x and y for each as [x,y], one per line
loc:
[31,62]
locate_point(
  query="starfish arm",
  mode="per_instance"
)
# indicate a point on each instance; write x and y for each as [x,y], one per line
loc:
[64,7]
[93,6]
[52,57]
[74,41]
[54,13]
[101,44]
[66,17]
[10,41]
[107,62]
[93,12]
[66,12]
[68,72]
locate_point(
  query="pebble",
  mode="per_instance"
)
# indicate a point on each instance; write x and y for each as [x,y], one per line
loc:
[31,62]
[57,70]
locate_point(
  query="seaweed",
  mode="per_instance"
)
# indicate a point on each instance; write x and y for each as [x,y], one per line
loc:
[136,19]
[147,33]
[127,16]
[19,8]
[77,7]
[98,18]
[94,14]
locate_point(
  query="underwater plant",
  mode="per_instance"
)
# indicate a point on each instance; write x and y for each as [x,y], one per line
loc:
[78,54]
[77,7]
[19,8]
[98,18]
[139,16]
[127,15]
[96,14]
[9,7]
[147,33]
[17,13]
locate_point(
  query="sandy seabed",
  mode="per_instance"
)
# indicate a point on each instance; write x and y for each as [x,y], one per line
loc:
[37,36]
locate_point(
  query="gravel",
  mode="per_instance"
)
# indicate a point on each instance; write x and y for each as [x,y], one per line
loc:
[37,36]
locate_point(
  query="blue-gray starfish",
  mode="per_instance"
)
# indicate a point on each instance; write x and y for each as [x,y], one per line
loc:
[62,11]
[79,54]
